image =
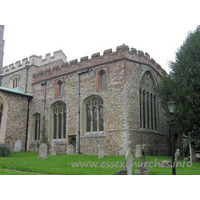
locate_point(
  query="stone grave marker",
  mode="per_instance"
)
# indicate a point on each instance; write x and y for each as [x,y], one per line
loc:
[70,149]
[100,151]
[121,172]
[142,167]
[52,151]
[42,151]
[18,146]
[138,151]
[128,162]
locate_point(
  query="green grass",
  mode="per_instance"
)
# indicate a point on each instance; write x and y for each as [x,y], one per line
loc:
[27,163]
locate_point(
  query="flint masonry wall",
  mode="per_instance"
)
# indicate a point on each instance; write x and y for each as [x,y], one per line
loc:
[124,69]
[16,118]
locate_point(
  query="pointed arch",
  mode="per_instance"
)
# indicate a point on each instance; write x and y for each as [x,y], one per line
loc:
[93,114]
[148,102]
[58,120]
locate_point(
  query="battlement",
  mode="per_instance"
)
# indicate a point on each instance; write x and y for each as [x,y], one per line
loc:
[122,52]
[36,61]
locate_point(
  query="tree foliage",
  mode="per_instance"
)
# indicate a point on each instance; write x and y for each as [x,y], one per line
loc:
[183,85]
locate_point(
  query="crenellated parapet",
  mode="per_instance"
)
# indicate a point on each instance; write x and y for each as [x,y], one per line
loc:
[34,60]
[122,52]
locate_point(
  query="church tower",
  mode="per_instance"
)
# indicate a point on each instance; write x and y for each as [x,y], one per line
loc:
[1,47]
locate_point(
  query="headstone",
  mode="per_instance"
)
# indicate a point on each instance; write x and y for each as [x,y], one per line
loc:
[100,151]
[42,151]
[177,154]
[128,162]
[192,152]
[52,151]
[142,167]
[70,149]
[138,152]
[121,172]
[18,146]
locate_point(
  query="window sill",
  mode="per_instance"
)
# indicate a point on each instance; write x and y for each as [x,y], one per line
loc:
[93,134]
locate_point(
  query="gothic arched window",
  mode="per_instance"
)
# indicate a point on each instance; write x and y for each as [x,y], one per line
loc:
[94,115]
[1,112]
[37,120]
[59,121]
[148,103]
[103,80]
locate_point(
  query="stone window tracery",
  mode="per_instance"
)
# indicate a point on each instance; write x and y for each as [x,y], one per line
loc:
[148,103]
[37,121]
[59,121]
[15,83]
[94,115]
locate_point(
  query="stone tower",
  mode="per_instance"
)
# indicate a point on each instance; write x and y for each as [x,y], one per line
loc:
[1,47]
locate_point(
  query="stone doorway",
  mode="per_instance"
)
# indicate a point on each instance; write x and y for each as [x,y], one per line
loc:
[72,140]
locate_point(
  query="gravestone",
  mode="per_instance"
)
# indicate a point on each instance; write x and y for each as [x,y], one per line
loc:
[177,154]
[70,149]
[128,162]
[138,152]
[18,146]
[142,167]
[121,172]
[42,151]
[52,151]
[100,151]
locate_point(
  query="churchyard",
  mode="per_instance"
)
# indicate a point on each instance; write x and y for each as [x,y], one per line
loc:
[27,163]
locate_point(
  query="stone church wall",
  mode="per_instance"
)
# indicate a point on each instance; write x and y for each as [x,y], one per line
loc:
[124,70]
[16,119]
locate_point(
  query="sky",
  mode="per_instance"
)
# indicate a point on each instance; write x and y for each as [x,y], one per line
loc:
[80,28]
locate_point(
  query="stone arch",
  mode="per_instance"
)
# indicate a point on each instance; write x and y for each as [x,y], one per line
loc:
[149,108]
[36,126]
[3,113]
[58,120]
[93,110]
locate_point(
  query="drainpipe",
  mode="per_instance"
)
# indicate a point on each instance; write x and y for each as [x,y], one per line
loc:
[44,102]
[79,74]
[27,125]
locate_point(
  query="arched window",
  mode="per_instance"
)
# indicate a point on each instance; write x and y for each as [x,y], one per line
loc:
[61,89]
[94,115]
[1,112]
[37,122]
[15,82]
[148,103]
[103,80]
[59,120]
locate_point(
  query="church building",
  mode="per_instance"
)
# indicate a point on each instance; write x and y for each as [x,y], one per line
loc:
[104,100]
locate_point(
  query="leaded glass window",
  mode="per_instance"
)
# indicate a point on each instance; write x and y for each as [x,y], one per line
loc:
[94,115]
[148,103]
[103,80]
[37,118]
[59,121]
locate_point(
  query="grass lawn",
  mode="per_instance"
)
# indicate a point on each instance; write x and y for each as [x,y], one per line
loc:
[27,163]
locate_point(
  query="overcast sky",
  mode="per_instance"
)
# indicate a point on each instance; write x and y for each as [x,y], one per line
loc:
[83,27]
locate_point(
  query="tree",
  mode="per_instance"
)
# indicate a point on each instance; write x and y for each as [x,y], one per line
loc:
[183,85]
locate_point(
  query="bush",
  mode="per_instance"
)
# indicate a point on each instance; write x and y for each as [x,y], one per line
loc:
[5,151]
